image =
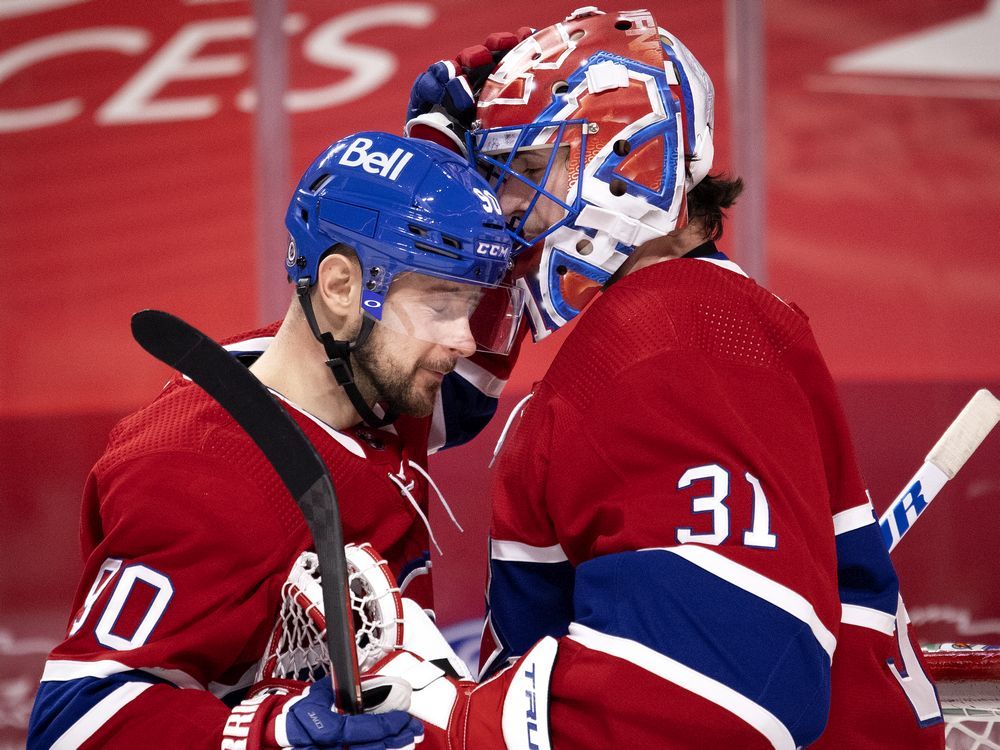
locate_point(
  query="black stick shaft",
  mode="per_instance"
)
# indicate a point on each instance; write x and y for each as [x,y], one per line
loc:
[293,457]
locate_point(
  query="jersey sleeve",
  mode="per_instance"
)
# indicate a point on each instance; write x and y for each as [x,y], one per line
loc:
[170,616]
[881,695]
[530,577]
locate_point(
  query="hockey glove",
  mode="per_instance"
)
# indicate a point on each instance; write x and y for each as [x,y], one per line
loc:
[463,715]
[289,714]
[443,98]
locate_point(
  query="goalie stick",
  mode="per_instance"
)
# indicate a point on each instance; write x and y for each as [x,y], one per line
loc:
[293,457]
[948,455]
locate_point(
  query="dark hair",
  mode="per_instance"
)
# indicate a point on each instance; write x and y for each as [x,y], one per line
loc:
[708,199]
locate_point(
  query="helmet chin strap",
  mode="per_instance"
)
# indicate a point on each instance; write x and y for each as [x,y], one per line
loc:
[339,358]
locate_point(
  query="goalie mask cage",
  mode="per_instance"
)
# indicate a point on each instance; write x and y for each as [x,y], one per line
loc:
[968,684]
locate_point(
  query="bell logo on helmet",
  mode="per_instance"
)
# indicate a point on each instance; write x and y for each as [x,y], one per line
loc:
[375,162]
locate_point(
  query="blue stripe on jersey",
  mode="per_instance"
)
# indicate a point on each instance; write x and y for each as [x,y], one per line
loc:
[527,601]
[865,574]
[467,410]
[59,705]
[720,630]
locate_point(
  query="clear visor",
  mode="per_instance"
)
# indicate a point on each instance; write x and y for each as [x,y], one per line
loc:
[453,313]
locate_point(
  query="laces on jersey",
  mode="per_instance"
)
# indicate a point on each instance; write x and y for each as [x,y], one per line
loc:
[423,472]
[405,490]
[506,428]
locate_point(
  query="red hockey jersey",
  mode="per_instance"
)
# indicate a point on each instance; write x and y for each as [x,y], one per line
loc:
[189,534]
[680,505]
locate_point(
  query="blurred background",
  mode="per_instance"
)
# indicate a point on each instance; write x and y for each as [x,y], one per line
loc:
[144,163]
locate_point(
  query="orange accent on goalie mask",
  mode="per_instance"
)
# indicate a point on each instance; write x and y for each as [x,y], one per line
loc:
[637,164]
[577,289]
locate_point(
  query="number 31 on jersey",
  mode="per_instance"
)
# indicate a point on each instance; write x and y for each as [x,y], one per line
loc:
[758,535]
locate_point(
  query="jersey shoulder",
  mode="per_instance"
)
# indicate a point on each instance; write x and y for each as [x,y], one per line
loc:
[181,418]
[688,305]
[182,460]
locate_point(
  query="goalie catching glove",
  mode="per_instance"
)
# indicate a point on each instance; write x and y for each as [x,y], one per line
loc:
[443,98]
[507,712]
[384,621]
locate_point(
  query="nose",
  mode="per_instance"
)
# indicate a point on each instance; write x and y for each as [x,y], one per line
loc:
[514,197]
[460,339]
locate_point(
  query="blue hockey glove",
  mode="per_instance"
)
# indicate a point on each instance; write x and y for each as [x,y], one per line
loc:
[442,102]
[284,713]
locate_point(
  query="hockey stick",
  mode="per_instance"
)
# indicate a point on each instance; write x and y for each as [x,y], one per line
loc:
[948,455]
[293,457]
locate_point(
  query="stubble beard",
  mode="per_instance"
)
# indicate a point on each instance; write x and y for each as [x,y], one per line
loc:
[393,384]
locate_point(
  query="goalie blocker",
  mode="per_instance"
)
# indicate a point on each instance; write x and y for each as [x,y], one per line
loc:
[464,714]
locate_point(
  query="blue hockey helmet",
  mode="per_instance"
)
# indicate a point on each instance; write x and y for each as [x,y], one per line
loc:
[405,205]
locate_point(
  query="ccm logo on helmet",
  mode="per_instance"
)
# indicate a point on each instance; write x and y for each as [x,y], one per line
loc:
[375,162]
[491,249]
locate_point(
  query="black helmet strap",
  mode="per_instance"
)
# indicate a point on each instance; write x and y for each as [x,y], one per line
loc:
[338,355]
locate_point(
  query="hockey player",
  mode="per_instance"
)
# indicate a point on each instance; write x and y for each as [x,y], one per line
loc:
[683,552]
[396,250]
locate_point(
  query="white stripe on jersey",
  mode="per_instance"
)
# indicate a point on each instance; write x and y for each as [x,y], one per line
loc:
[250,346]
[760,586]
[497,648]
[352,445]
[221,690]
[866,617]
[64,670]
[437,436]
[97,716]
[673,671]
[485,381]
[853,518]
[518,552]
[727,264]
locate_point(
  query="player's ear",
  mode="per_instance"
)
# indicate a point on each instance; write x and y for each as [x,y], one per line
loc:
[338,285]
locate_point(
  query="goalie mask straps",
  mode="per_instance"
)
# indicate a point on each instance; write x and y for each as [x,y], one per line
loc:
[338,355]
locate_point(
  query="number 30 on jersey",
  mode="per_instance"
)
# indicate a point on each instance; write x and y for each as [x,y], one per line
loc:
[131,583]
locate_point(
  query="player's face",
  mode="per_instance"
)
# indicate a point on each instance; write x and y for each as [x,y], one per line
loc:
[424,334]
[515,196]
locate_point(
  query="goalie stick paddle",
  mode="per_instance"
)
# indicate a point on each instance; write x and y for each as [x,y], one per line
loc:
[293,457]
[948,455]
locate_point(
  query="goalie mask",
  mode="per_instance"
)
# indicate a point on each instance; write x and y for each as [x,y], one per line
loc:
[592,131]
[430,238]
